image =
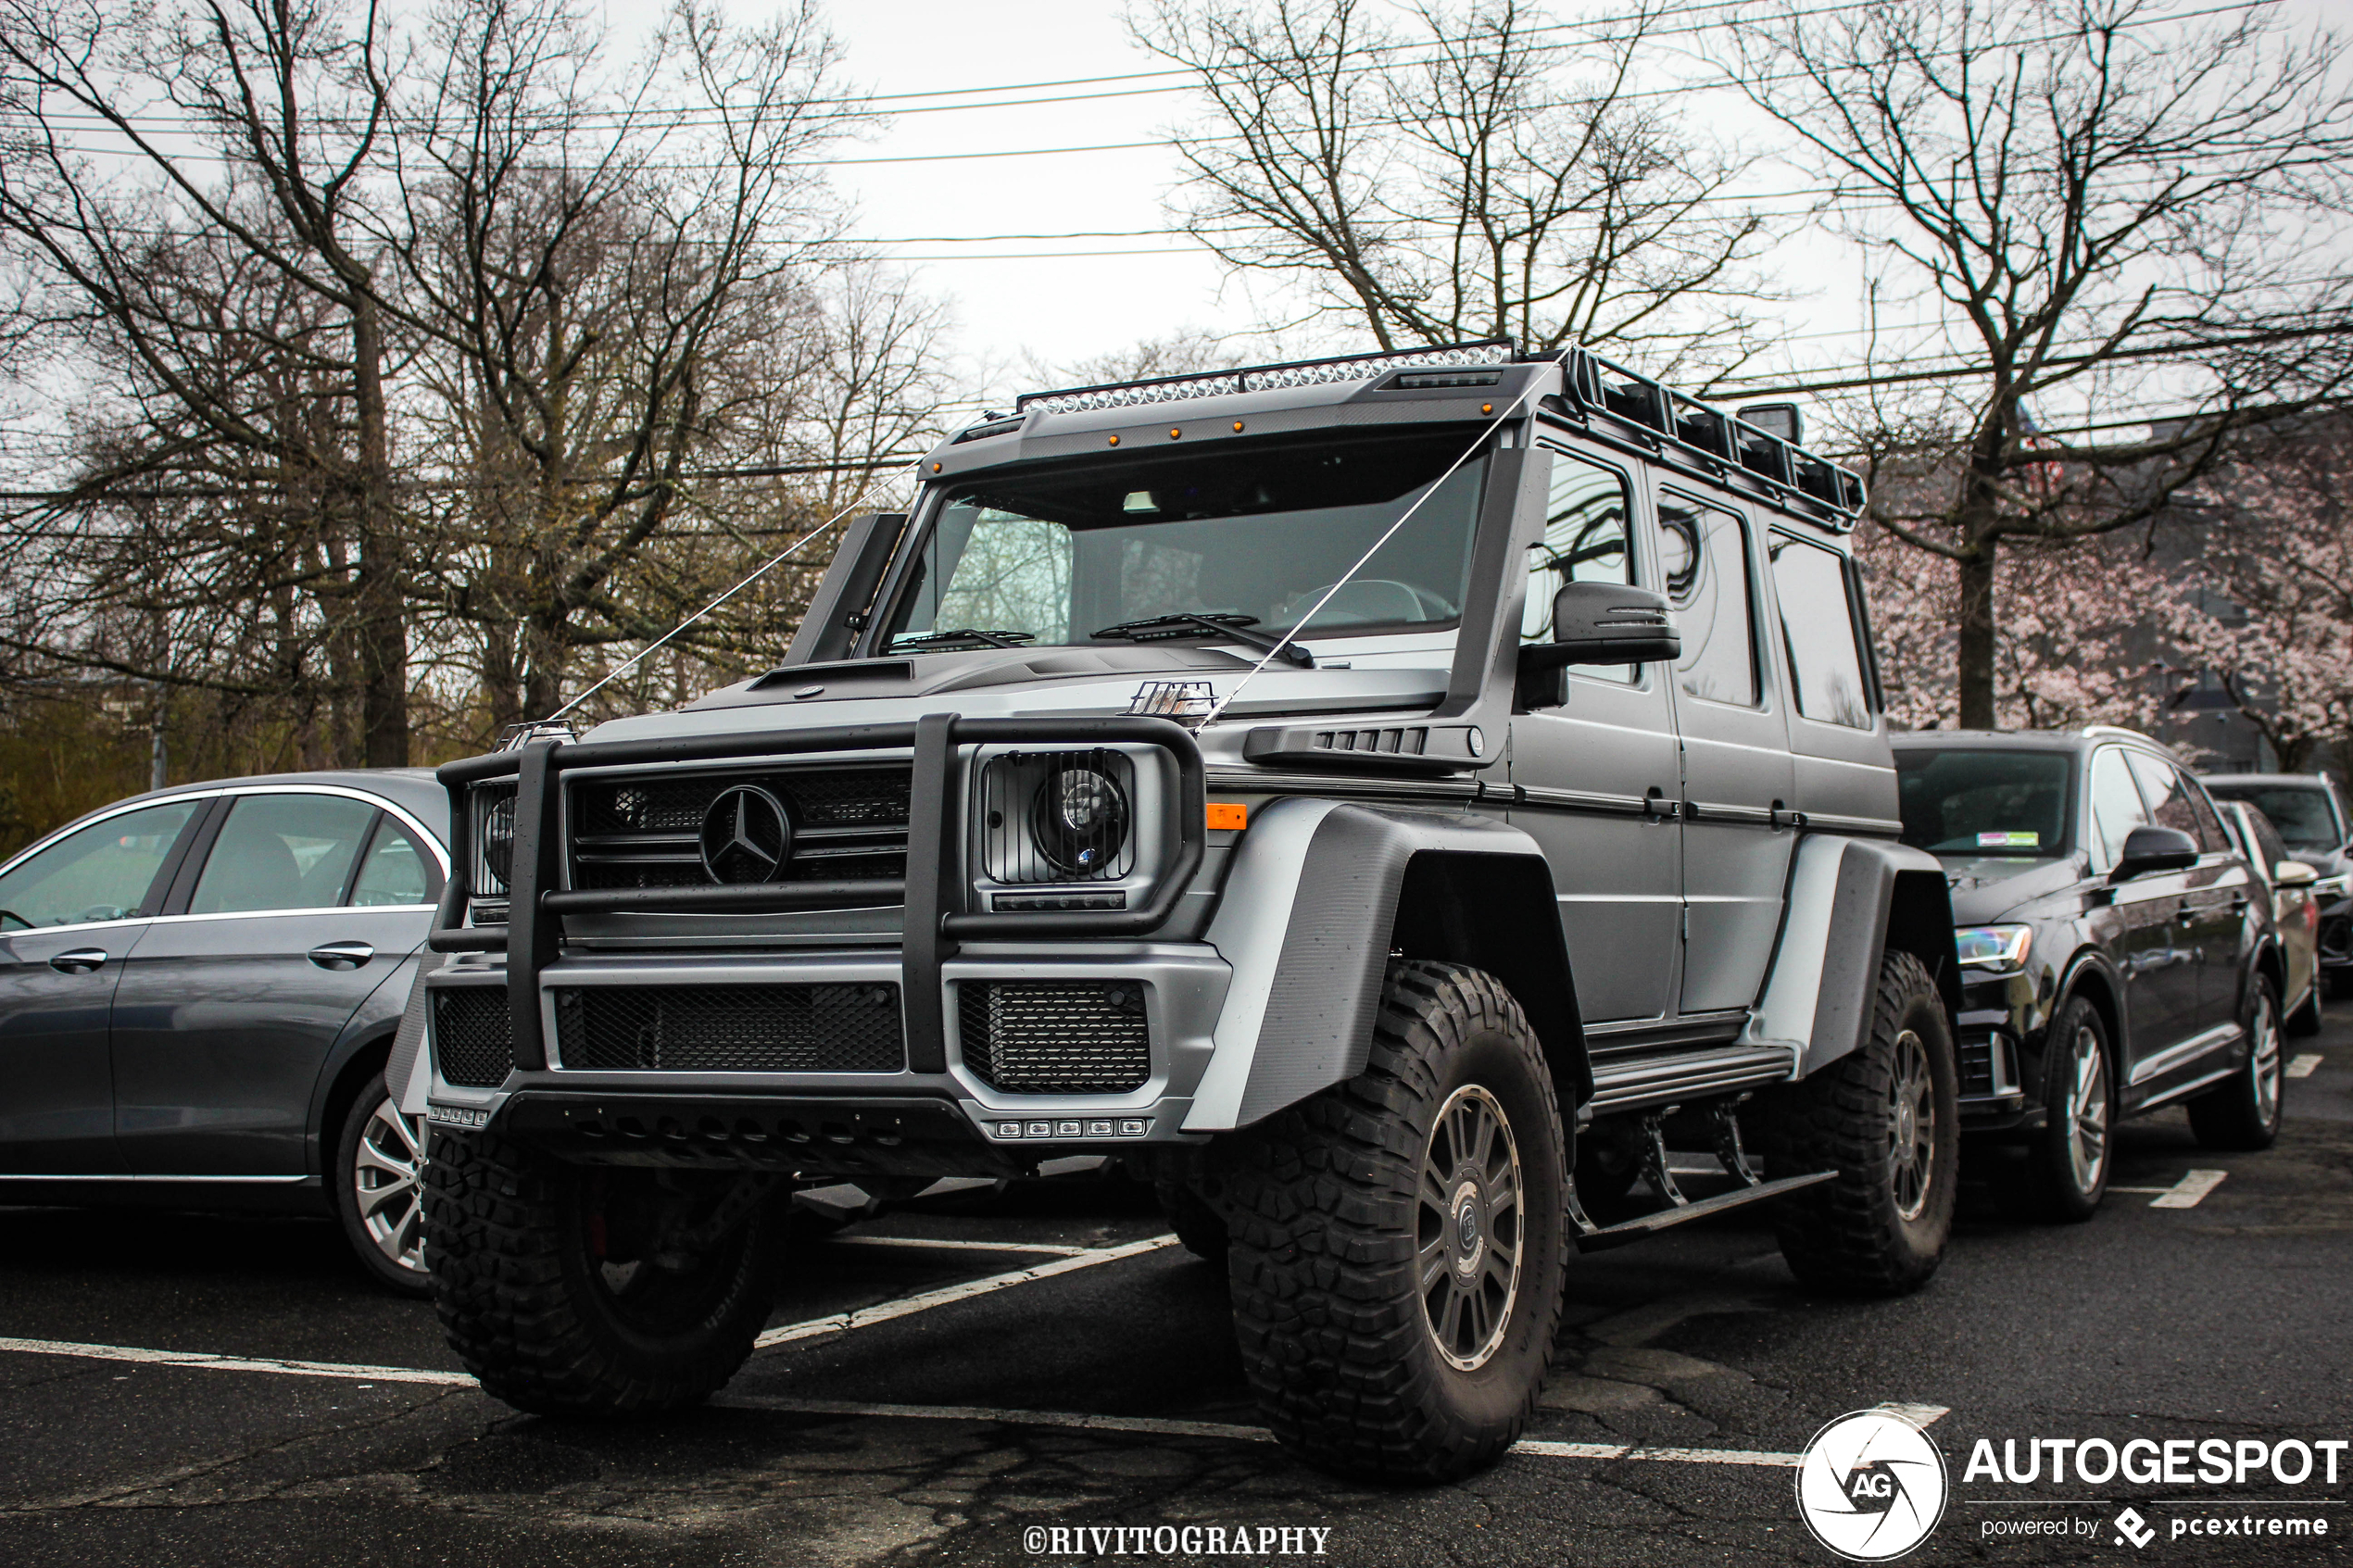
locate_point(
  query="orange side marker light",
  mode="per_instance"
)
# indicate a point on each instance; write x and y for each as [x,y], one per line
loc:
[1227,816]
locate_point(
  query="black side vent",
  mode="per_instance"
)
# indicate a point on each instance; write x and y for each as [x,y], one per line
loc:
[474,1035]
[1976,1065]
[731,1028]
[847,824]
[1055,1037]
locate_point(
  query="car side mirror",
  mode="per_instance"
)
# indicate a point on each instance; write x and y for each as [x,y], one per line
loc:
[2153,848]
[2295,873]
[1606,623]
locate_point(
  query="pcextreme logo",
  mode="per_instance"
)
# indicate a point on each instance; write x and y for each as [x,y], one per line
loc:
[1871,1485]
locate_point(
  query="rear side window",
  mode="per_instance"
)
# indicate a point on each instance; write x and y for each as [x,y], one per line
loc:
[2117,807]
[1818,632]
[394,872]
[283,852]
[1703,558]
[2175,803]
[101,872]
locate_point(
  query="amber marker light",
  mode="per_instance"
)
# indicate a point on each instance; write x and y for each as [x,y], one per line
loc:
[1173,433]
[1238,427]
[1115,441]
[1487,408]
[1227,816]
[935,468]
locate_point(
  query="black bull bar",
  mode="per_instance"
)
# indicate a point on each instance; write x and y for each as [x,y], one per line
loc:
[935,891]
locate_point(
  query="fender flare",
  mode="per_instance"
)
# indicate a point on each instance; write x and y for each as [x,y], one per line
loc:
[1320,894]
[1849,901]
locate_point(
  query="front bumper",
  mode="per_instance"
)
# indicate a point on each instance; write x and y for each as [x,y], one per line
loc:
[950,1120]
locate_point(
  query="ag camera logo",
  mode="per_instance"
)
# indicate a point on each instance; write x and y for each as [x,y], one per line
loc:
[1870,1485]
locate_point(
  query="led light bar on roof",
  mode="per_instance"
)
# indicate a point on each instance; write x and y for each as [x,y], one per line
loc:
[1263,378]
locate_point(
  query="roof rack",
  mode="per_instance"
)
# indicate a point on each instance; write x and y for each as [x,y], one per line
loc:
[1722,441]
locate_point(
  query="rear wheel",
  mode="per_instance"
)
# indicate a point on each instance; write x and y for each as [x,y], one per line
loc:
[1886,1118]
[1398,1240]
[2244,1112]
[590,1290]
[380,1161]
[2068,1160]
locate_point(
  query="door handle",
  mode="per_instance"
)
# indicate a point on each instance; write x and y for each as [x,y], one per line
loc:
[342,955]
[2188,917]
[80,961]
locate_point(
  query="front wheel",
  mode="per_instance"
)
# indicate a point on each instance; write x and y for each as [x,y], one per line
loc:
[1398,1240]
[594,1290]
[2244,1112]
[2068,1158]
[1886,1119]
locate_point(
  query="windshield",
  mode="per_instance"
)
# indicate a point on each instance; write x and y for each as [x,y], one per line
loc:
[1253,532]
[2300,813]
[1985,803]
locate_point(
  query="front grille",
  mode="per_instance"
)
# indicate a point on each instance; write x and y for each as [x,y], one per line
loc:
[731,1028]
[474,1035]
[849,824]
[1055,1037]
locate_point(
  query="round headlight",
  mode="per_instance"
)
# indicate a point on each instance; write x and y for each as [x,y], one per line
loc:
[499,842]
[1080,819]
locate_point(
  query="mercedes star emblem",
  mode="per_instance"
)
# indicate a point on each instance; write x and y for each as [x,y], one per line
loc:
[747,837]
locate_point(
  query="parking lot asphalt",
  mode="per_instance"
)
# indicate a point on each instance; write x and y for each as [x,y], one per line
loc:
[186,1389]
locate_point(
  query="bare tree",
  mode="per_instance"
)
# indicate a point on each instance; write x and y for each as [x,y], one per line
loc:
[2097,197]
[287,104]
[1466,173]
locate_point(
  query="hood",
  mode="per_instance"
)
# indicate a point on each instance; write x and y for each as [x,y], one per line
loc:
[1079,680]
[1986,889]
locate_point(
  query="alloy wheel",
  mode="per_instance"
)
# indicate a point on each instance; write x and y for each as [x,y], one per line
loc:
[386,1177]
[1468,1227]
[2266,1064]
[2088,1110]
[1911,1125]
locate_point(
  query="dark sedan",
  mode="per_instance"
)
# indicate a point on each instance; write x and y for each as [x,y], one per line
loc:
[2117,952]
[198,990]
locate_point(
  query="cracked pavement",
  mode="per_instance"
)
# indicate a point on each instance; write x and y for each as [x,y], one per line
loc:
[2227,1320]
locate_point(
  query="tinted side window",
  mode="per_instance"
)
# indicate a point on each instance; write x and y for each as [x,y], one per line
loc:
[394,871]
[282,852]
[2117,808]
[1585,541]
[1703,557]
[2269,849]
[101,872]
[1818,633]
[2174,804]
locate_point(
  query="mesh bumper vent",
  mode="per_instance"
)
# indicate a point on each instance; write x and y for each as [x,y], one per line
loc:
[1055,1037]
[731,1028]
[474,1035]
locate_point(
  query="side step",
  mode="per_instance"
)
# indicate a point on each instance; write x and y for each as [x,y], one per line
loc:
[1602,1237]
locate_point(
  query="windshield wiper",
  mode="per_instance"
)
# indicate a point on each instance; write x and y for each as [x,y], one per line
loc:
[962,636]
[1213,623]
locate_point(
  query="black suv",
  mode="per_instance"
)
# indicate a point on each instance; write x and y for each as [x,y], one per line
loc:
[2117,953]
[2310,813]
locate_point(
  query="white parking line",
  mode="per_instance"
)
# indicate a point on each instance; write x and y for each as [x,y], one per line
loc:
[1919,1415]
[1054,1248]
[209,1362]
[2186,1193]
[2301,1067]
[840,1322]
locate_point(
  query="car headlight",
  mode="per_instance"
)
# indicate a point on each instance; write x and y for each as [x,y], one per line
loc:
[494,835]
[1079,816]
[2001,948]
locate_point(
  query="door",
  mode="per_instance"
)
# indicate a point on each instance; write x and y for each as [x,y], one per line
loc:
[1841,773]
[227,1011]
[1737,781]
[2216,893]
[70,913]
[2158,965]
[1594,769]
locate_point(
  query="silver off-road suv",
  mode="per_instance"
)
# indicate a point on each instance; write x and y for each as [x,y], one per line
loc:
[1397,804]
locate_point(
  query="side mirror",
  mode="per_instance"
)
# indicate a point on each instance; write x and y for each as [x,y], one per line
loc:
[2294,874]
[1606,623]
[2150,849]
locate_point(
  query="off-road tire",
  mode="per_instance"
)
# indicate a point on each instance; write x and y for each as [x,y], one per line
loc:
[2244,1113]
[507,1239]
[1849,1235]
[2057,1185]
[1323,1204]
[1199,1229]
